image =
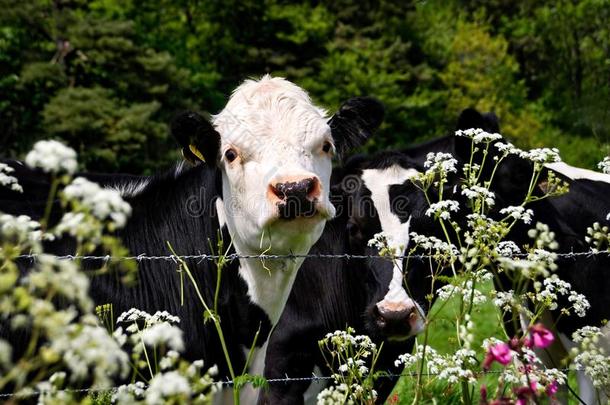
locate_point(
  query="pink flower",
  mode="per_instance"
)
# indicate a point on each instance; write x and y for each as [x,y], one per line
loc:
[540,336]
[499,352]
[552,389]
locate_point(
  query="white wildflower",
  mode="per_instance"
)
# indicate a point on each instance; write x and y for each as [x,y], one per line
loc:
[479,193]
[508,249]
[507,148]
[478,135]
[542,155]
[133,315]
[443,209]
[168,385]
[104,204]
[19,230]
[604,165]
[518,213]
[7,180]
[440,162]
[52,157]
[506,301]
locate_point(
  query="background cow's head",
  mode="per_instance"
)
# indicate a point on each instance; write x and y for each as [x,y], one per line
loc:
[367,186]
[274,149]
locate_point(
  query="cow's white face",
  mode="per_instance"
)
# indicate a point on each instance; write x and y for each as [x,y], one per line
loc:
[274,150]
[275,154]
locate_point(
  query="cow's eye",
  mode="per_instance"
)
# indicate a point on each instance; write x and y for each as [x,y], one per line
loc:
[230,155]
[327,147]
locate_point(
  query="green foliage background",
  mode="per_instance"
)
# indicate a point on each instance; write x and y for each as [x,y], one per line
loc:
[107,75]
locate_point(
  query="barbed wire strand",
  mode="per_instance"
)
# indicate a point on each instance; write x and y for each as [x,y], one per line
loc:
[234,256]
[313,378]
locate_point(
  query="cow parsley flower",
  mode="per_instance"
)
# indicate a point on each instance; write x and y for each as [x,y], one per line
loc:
[479,193]
[519,213]
[440,162]
[443,209]
[508,248]
[580,304]
[105,204]
[7,180]
[52,157]
[604,165]
[478,135]
[89,348]
[163,334]
[505,300]
[434,244]
[166,386]
[544,237]
[507,148]
[590,356]
[542,155]
[467,291]
[133,315]
[19,230]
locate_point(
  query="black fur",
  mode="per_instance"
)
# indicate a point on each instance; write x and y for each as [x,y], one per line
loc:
[355,122]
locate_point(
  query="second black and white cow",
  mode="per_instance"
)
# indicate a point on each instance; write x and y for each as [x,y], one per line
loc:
[568,216]
[263,169]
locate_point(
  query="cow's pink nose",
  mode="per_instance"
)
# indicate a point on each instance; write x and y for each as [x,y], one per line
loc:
[295,197]
[396,319]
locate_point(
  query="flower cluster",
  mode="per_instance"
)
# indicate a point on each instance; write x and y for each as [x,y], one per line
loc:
[479,193]
[542,155]
[103,203]
[440,162]
[443,209]
[521,368]
[598,237]
[591,357]
[352,360]
[6,180]
[52,157]
[518,213]
[67,347]
[604,165]
[478,135]
[383,242]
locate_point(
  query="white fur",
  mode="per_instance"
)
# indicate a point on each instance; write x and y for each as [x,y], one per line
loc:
[378,182]
[220,211]
[132,188]
[576,173]
[278,133]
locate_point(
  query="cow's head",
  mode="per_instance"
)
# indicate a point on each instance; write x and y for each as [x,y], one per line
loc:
[381,198]
[274,149]
[375,205]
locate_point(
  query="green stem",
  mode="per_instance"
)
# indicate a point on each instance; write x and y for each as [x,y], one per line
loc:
[48,207]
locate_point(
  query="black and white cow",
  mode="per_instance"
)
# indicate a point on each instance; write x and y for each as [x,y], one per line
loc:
[264,166]
[332,293]
[568,216]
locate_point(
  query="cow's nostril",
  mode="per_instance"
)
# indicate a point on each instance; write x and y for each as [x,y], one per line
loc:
[296,198]
[276,191]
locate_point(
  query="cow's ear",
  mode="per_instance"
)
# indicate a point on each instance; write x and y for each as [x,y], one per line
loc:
[471,118]
[355,122]
[199,140]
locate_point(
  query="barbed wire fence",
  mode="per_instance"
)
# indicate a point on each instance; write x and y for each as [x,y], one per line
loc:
[236,256]
[314,378]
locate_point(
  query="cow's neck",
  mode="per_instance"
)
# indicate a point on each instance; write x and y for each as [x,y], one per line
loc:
[269,283]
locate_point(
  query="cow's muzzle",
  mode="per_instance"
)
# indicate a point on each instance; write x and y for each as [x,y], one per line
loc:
[397,321]
[295,197]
